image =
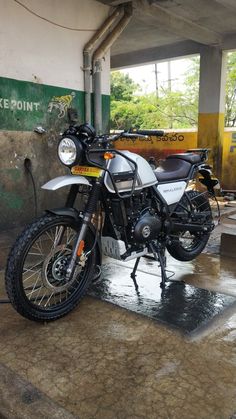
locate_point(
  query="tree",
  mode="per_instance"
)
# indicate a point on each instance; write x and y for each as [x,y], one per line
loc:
[141,112]
[122,87]
[230,99]
[171,108]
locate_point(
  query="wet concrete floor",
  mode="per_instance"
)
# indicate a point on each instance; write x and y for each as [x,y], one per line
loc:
[179,305]
[102,361]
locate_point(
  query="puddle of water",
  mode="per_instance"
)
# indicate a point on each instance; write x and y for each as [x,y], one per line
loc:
[180,305]
[215,273]
[211,272]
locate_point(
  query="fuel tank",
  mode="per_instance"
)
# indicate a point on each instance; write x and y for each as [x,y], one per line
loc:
[123,173]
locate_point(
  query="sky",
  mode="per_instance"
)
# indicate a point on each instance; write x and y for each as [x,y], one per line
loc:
[145,75]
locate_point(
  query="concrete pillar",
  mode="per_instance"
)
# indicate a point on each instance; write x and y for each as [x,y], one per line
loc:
[212,103]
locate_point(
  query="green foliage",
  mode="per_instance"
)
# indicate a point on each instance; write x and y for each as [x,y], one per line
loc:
[138,113]
[230,100]
[122,87]
[171,109]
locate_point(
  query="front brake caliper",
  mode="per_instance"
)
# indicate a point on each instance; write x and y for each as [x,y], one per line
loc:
[82,259]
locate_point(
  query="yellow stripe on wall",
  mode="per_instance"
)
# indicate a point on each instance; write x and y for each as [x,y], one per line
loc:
[211,135]
[228,178]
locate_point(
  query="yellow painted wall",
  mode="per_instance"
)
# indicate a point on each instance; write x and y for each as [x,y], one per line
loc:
[180,141]
[160,147]
[211,135]
[229,161]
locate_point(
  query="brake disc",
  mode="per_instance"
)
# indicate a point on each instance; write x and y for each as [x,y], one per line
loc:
[55,266]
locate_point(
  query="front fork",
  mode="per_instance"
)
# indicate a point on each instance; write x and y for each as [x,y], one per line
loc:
[89,211]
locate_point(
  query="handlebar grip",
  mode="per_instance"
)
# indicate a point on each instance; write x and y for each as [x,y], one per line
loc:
[154,132]
[133,135]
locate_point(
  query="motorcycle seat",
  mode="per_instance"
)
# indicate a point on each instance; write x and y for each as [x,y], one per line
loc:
[192,158]
[172,169]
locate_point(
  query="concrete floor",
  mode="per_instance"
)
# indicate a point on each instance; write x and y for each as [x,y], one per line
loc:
[102,361]
[188,307]
[105,362]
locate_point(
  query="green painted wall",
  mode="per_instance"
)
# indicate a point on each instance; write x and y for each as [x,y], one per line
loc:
[25,105]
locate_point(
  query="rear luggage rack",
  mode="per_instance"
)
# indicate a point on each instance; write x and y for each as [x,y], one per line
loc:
[202,151]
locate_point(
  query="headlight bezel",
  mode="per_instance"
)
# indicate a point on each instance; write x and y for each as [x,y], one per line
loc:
[78,150]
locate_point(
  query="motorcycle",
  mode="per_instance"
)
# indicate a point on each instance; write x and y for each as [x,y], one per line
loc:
[117,205]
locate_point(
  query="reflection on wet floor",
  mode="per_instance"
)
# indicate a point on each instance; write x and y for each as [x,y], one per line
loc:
[212,272]
[210,287]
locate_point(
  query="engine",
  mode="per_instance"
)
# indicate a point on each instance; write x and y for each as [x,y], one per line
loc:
[135,218]
[147,228]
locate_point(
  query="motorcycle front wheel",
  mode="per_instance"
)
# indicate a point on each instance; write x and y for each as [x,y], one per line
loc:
[35,278]
[187,246]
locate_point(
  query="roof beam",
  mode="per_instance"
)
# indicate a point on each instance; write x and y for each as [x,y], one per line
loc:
[150,55]
[177,25]
[229,42]
[165,52]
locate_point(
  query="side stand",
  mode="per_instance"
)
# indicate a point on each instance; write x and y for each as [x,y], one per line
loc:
[133,273]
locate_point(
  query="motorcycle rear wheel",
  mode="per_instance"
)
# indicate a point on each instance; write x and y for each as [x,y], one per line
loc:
[187,246]
[35,275]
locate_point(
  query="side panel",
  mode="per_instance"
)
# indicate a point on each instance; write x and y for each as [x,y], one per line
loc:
[172,192]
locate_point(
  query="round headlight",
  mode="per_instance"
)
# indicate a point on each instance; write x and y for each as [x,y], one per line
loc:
[67,151]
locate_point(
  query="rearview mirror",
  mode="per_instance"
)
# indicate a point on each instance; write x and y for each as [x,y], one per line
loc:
[72,115]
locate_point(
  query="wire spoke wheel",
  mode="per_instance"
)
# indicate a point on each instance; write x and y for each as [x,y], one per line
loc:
[44,269]
[36,279]
[188,245]
[188,241]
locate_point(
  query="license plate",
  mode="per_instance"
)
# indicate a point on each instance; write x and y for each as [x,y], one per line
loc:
[86,171]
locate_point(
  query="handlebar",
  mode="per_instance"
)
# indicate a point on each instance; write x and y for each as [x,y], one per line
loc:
[142,134]
[116,137]
[133,135]
[89,133]
[156,133]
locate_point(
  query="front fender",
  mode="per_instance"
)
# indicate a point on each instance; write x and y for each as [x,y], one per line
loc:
[61,181]
[66,211]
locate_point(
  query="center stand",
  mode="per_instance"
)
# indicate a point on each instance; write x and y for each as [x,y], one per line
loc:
[159,255]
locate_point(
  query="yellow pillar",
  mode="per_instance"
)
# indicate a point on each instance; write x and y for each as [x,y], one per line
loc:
[212,103]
